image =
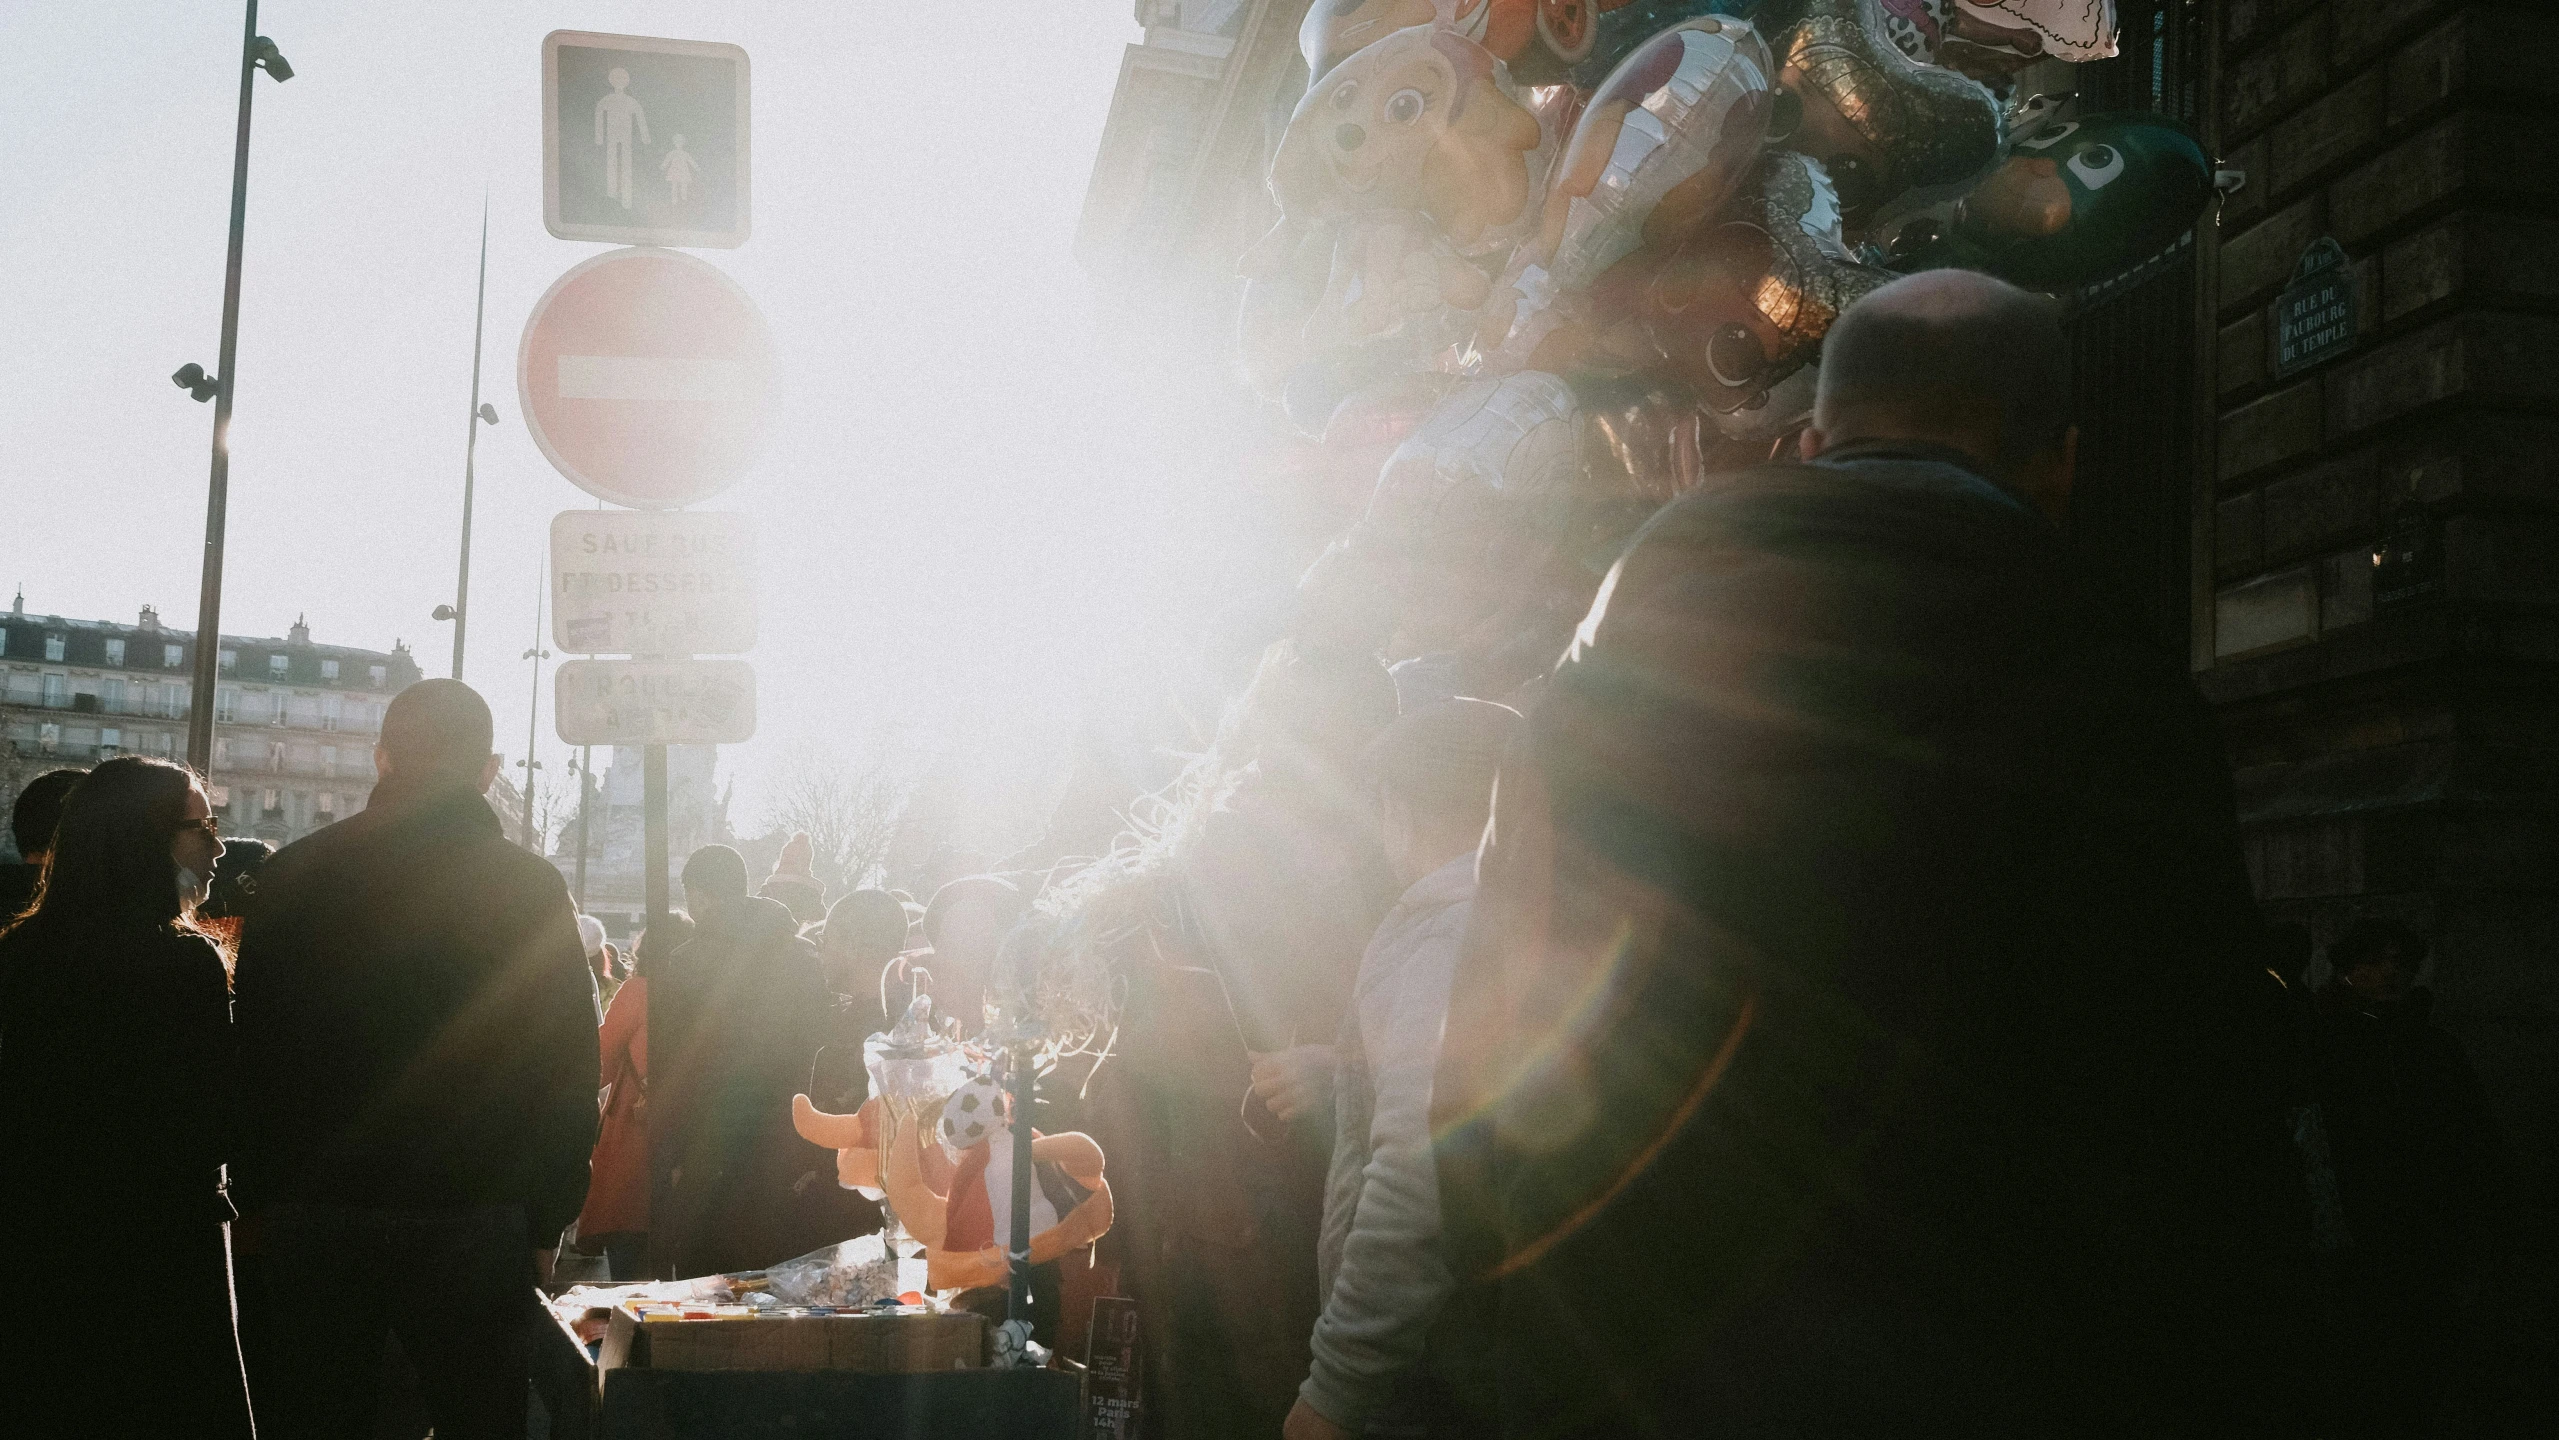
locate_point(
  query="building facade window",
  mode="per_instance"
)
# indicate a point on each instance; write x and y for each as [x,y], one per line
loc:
[53,647]
[381,677]
[326,803]
[110,740]
[115,651]
[328,759]
[275,758]
[56,692]
[48,738]
[163,744]
[332,711]
[270,801]
[230,661]
[277,663]
[111,694]
[328,669]
[171,656]
[221,751]
[226,704]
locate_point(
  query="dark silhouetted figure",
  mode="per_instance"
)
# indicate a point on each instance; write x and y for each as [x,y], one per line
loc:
[115,1119]
[1382,1277]
[2418,1171]
[735,1017]
[1266,908]
[418,1047]
[864,932]
[1858,1025]
[31,822]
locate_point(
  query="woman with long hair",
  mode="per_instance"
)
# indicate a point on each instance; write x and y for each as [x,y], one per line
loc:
[115,1084]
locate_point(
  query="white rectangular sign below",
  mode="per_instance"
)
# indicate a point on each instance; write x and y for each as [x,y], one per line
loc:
[656,702]
[652,582]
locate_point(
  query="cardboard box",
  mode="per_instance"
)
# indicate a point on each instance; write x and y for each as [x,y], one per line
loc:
[874,1344]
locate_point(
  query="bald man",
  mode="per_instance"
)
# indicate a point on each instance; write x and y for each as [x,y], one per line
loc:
[417,1036]
[1854,1035]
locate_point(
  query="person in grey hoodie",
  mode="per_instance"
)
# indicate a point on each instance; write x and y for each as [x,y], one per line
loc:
[1382,1278]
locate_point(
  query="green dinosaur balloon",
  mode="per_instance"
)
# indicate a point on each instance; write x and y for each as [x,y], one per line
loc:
[2080,201]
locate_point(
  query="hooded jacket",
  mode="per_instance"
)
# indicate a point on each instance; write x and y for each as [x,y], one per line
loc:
[416,1019]
[1378,1265]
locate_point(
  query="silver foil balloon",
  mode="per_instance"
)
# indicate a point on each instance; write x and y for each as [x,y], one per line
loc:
[1664,139]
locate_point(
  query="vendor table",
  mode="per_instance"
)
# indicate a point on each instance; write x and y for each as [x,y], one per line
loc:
[640,1403]
[831,1405]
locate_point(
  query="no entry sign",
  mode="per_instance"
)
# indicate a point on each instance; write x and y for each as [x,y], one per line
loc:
[646,377]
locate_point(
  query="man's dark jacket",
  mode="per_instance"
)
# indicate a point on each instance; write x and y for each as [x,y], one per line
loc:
[736,1018]
[1851,1035]
[416,1019]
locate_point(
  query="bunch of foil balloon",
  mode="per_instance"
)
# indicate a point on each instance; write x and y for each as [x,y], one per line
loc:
[1547,263]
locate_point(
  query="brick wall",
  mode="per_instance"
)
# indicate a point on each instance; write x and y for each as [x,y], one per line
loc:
[2397,746]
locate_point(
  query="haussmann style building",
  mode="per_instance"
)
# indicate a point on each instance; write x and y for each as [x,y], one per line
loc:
[294,722]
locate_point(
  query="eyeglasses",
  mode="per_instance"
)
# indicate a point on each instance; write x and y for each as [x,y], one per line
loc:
[211,825]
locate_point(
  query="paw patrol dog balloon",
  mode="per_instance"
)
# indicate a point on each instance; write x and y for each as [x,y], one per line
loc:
[1420,121]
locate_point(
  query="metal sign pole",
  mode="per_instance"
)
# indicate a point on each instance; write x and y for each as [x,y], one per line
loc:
[586,786]
[1024,1078]
[653,826]
[217,504]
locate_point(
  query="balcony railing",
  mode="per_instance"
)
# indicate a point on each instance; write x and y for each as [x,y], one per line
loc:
[167,708]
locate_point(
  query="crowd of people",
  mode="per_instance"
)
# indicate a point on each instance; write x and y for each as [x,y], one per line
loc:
[1827,1001]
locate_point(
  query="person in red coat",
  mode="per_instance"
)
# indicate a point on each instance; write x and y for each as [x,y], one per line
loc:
[616,1216]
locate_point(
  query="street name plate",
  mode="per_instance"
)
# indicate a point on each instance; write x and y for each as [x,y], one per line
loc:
[652,582]
[655,702]
[2315,314]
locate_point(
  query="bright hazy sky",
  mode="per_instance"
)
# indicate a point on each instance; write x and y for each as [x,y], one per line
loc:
[966,490]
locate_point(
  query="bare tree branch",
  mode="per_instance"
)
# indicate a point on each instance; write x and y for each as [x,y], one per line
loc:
[848,803]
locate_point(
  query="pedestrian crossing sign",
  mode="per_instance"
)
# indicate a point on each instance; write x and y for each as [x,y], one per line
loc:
[644,141]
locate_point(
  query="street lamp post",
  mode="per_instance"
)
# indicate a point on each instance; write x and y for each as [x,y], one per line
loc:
[459,612]
[256,52]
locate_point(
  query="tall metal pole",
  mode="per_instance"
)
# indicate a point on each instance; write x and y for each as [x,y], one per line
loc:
[532,710]
[586,784]
[208,611]
[1023,1080]
[470,454]
[653,827]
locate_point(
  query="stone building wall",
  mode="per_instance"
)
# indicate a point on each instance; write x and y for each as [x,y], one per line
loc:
[2379,530]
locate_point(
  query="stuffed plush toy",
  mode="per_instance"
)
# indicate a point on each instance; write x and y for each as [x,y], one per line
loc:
[952,1186]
